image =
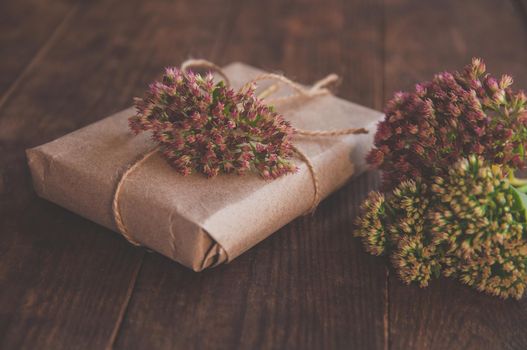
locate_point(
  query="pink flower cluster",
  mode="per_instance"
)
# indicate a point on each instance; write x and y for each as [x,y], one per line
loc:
[452,116]
[209,128]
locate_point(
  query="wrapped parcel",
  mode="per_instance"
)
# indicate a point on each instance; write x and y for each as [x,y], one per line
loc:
[199,222]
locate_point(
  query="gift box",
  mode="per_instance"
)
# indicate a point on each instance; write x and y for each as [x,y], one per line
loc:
[197,221]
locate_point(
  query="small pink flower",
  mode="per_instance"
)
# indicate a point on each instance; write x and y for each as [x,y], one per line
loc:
[426,131]
[209,128]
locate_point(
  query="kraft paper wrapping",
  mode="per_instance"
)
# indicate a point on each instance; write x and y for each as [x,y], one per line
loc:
[196,221]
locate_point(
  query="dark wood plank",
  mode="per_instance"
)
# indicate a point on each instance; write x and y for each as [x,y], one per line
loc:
[310,285]
[64,281]
[521,8]
[423,38]
[27,26]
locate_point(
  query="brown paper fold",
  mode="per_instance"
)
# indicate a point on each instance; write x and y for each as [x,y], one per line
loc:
[196,221]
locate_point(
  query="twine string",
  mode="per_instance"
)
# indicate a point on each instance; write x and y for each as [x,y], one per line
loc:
[314,178]
[204,64]
[319,88]
[115,203]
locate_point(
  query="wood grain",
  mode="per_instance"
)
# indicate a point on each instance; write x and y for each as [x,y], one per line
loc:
[64,280]
[444,36]
[298,289]
[27,27]
[68,283]
[521,9]
[310,285]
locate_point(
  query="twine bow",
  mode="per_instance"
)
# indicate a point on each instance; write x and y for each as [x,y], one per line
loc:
[319,88]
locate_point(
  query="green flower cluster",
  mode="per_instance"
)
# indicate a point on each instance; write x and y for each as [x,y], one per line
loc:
[469,224]
[413,254]
[480,223]
[371,225]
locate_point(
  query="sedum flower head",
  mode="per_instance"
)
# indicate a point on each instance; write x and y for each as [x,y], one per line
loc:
[469,224]
[413,253]
[481,225]
[398,227]
[371,225]
[209,128]
[454,115]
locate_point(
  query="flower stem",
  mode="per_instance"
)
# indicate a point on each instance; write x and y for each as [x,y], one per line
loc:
[517,182]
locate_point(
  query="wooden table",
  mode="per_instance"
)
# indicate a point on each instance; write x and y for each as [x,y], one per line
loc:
[67,283]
